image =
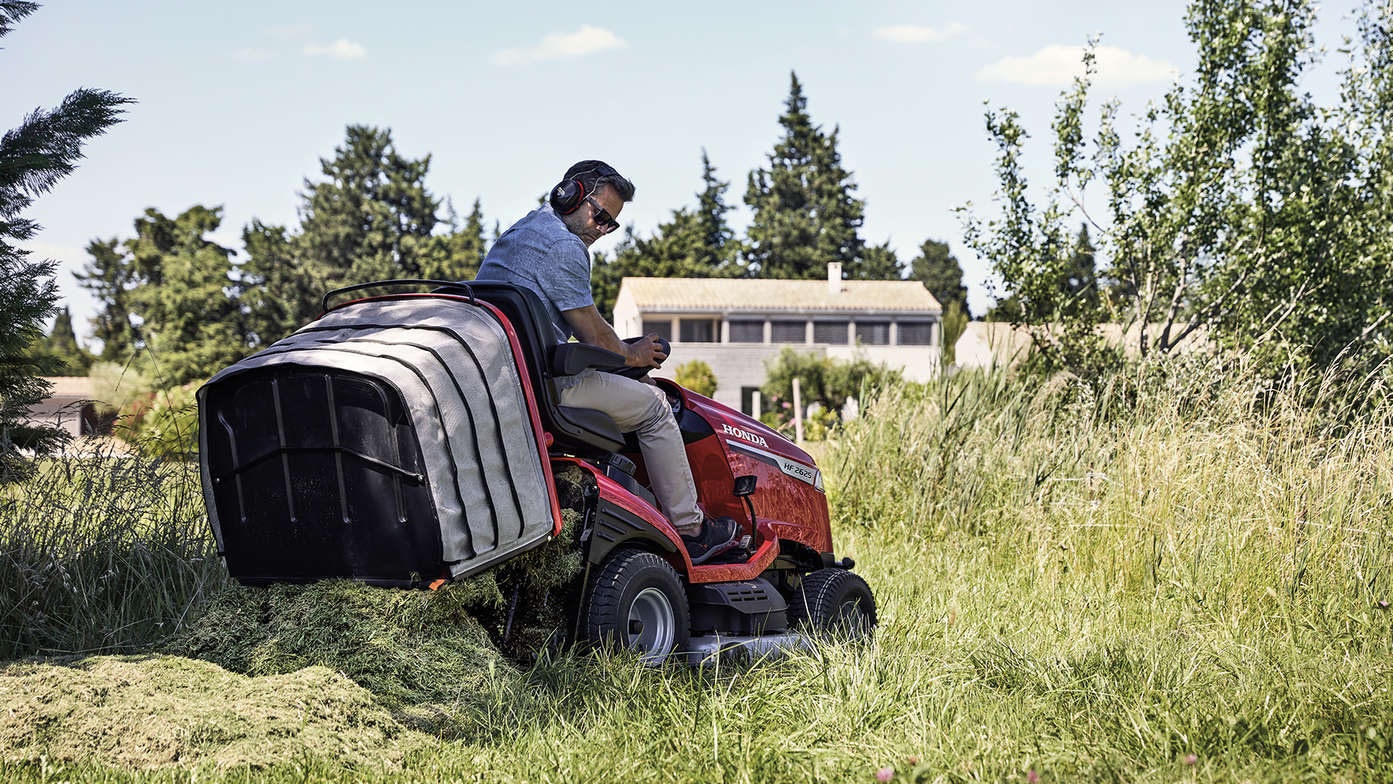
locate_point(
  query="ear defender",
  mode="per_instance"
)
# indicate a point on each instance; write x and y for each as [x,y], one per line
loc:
[567,196]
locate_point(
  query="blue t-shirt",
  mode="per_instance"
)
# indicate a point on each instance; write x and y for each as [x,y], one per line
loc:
[540,253]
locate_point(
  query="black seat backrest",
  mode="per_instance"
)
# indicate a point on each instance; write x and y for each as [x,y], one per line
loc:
[581,430]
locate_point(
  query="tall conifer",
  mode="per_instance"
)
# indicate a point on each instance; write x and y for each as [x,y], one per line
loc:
[806,213]
[43,149]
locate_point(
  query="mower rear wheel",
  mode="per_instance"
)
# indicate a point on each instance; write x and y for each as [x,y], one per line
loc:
[834,602]
[637,602]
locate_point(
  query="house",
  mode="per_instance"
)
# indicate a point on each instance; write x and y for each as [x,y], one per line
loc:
[68,407]
[738,325]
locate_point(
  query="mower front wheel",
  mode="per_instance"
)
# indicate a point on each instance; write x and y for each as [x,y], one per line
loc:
[637,602]
[835,602]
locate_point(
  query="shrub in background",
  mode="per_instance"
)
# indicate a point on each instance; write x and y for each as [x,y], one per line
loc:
[826,382]
[697,376]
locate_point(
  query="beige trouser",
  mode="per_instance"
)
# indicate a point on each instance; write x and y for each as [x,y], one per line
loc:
[643,409]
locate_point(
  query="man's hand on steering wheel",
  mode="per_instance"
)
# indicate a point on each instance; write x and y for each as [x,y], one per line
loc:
[646,352]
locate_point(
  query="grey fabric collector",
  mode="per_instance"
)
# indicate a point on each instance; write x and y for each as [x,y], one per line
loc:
[455,370]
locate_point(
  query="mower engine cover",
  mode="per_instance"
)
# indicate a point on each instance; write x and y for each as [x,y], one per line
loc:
[389,441]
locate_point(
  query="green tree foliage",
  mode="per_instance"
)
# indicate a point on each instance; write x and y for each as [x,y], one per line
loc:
[694,243]
[371,216]
[822,380]
[457,253]
[34,156]
[805,210]
[1242,206]
[68,356]
[696,376]
[109,278]
[878,262]
[1076,285]
[279,291]
[718,247]
[191,325]
[938,269]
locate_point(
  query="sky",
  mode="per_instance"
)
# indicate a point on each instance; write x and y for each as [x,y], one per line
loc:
[237,103]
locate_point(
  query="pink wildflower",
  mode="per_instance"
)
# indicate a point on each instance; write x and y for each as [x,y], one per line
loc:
[1191,759]
[885,774]
[1032,777]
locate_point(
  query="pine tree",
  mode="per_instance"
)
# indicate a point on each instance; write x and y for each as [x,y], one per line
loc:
[718,244]
[109,277]
[457,253]
[805,210]
[782,236]
[371,218]
[191,326]
[279,292]
[838,212]
[33,157]
[878,262]
[61,346]
[938,269]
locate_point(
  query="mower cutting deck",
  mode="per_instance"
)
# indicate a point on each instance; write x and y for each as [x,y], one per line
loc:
[410,438]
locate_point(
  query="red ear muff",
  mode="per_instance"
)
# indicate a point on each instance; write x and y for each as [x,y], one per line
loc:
[567,196]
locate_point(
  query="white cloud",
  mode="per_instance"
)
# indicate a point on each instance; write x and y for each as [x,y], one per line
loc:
[586,40]
[918,34]
[1057,65]
[342,49]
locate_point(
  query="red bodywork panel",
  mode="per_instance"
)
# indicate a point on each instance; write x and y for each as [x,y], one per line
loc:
[786,489]
[786,500]
[616,494]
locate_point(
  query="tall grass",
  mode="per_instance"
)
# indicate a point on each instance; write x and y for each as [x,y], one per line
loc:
[1180,575]
[102,552]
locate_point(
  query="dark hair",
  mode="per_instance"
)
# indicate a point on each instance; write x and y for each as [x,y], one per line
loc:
[593,174]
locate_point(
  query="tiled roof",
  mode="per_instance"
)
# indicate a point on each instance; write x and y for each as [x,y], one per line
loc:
[721,294]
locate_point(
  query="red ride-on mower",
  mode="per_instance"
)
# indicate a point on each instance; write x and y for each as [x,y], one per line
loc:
[410,438]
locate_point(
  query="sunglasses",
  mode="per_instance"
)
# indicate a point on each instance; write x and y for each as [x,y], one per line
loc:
[601,216]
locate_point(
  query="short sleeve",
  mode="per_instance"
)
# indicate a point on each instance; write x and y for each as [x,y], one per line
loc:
[570,285]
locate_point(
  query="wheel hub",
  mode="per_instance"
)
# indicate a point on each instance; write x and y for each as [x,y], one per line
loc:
[652,625]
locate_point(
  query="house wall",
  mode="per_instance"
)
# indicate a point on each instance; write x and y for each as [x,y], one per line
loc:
[741,365]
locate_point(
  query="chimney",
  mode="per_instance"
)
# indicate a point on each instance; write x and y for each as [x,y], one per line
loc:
[834,277]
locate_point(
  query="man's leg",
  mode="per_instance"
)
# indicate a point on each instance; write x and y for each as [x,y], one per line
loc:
[643,408]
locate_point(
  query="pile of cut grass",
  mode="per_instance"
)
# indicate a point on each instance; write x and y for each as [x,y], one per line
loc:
[144,712]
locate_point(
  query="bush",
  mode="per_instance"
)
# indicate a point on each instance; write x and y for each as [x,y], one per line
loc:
[697,376]
[826,382]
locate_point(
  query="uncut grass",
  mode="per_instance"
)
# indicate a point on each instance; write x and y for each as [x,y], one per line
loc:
[1089,585]
[103,552]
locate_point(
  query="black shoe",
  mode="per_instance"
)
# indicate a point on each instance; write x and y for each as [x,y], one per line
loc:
[717,536]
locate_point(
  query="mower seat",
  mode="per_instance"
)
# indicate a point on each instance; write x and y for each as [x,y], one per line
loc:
[581,430]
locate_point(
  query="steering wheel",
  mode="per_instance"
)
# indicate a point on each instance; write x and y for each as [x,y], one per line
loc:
[640,372]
